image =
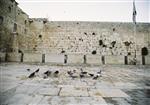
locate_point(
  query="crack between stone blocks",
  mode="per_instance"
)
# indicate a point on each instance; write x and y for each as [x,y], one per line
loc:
[59,91]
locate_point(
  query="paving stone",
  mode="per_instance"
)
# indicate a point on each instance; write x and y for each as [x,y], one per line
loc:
[36,99]
[19,99]
[107,93]
[48,91]
[73,91]
[58,100]
[46,100]
[125,85]
[26,89]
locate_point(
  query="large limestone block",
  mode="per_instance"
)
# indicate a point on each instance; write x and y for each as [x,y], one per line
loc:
[2,57]
[114,59]
[14,57]
[32,57]
[147,60]
[138,60]
[54,58]
[93,59]
[107,93]
[75,59]
[74,91]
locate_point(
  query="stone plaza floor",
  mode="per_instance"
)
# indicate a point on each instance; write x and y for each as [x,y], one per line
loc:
[118,85]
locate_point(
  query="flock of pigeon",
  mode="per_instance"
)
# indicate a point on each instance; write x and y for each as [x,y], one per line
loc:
[72,74]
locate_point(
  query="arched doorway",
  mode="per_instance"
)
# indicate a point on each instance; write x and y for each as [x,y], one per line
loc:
[144,52]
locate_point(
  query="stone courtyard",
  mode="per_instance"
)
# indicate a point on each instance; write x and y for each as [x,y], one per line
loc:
[117,85]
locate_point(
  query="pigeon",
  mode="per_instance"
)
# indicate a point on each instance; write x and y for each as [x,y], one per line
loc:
[81,75]
[95,77]
[74,76]
[56,73]
[28,69]
[69,72]
[91,74]
[47,73]
[83,72]
[32,75]
[37,70]
[74,71]
[99,73]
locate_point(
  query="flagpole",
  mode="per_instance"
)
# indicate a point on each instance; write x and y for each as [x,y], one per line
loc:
[134,23]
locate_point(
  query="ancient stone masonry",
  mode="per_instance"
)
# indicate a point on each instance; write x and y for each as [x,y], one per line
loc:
[40,36]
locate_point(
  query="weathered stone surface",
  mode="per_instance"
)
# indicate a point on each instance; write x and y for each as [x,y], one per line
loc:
[75,59]
[138,59]
[76,101]
[13,57]
[32,57]
[54,58]
[93,59]
[48,91]
[2,57]
[118,85]
[114,59]
[147,60]
[74,91]
[107,93]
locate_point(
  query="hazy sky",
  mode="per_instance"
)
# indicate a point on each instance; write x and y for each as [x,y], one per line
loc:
[87,10]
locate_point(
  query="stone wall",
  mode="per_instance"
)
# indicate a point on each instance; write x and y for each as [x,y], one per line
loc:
[102,38]
[73,42]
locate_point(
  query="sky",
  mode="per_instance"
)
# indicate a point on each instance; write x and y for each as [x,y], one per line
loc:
[87,10]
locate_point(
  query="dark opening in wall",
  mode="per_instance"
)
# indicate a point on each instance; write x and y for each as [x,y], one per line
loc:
[103,59]
[43,58]
[126,60]
[114,29]
[34,49]
[129,53]
[84,59]
[58,26]
[100,42]
[62,51]
[127,43]
[1,20]
[80,39]
[19,51]
[93,33]
[15,27]
[113,43]
[143,60]
[44,21]
[25,22]
[144,51]
[9,9]
[65,60]
[77,23]
[94,52]
[85,33]
[40,36]
[104,45]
